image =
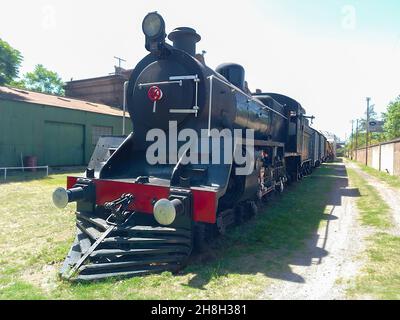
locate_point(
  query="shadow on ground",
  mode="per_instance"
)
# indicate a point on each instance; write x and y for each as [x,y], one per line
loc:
[281,235]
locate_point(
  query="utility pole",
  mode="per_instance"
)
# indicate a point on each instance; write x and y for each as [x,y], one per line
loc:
[366,138]
[356,139]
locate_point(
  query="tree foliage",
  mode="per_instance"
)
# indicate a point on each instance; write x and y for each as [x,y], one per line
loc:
[392,119]
[10,61]
[359,136]
[362,125]
[42,80]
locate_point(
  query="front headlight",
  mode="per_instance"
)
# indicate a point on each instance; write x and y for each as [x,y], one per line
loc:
[164,212]
[60,198]
[153,25]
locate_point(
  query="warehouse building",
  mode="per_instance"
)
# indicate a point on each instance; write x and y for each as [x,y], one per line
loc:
[57,131]
[107,90]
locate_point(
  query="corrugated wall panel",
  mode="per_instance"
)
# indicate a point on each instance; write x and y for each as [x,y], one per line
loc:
[64,144]
[22,129]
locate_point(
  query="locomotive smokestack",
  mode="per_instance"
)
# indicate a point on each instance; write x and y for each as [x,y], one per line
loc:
[185,39]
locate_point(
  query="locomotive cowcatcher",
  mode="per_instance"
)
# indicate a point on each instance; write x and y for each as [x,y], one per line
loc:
[135,217]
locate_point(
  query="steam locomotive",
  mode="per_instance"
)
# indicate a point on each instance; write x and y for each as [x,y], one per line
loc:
[138,214]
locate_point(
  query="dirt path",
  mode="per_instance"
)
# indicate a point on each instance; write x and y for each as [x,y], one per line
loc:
[334,250]
[390,195]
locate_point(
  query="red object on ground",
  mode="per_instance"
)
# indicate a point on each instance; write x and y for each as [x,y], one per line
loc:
[204,201]
[30,161]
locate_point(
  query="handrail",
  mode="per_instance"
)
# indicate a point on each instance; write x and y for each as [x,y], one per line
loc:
[245,94]
[23,168]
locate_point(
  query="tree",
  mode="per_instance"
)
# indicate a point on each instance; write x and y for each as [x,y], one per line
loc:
[392,119]
[10,61]
[372,116]
[43,80]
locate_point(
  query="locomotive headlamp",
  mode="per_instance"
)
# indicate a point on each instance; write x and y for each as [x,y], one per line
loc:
[60,198]
[153,27]
[165,211]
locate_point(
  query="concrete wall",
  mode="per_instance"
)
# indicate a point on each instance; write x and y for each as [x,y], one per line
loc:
[396,166]
[383,157]
[387,162]
[22,130]
[375,157]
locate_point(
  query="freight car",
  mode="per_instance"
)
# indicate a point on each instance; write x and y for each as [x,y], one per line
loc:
[138,214]
[319,147]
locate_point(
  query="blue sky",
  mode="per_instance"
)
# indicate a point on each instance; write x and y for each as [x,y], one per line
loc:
[329,55]
[372,15]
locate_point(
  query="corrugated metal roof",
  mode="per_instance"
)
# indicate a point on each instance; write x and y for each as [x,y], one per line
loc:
[7,93]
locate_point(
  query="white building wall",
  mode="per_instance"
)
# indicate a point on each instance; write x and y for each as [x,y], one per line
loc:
[375,157]
[387,158]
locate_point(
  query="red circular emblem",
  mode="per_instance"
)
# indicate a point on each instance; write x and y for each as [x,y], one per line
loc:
[155,93]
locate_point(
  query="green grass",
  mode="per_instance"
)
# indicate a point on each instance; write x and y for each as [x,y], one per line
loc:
[374,211]
[393,181]
[380,278]
[35,237]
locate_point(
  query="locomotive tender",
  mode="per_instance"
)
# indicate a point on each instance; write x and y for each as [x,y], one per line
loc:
[135,217]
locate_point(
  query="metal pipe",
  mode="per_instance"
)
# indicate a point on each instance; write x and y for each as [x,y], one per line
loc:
[124,106]
[140,85]
[231,86]
[20,168]
[196,80]
[251,98]
[190,77]
[183,111]
[210,106]
[23,169]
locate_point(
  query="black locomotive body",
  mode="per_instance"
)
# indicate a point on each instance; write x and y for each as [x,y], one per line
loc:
[135,216]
